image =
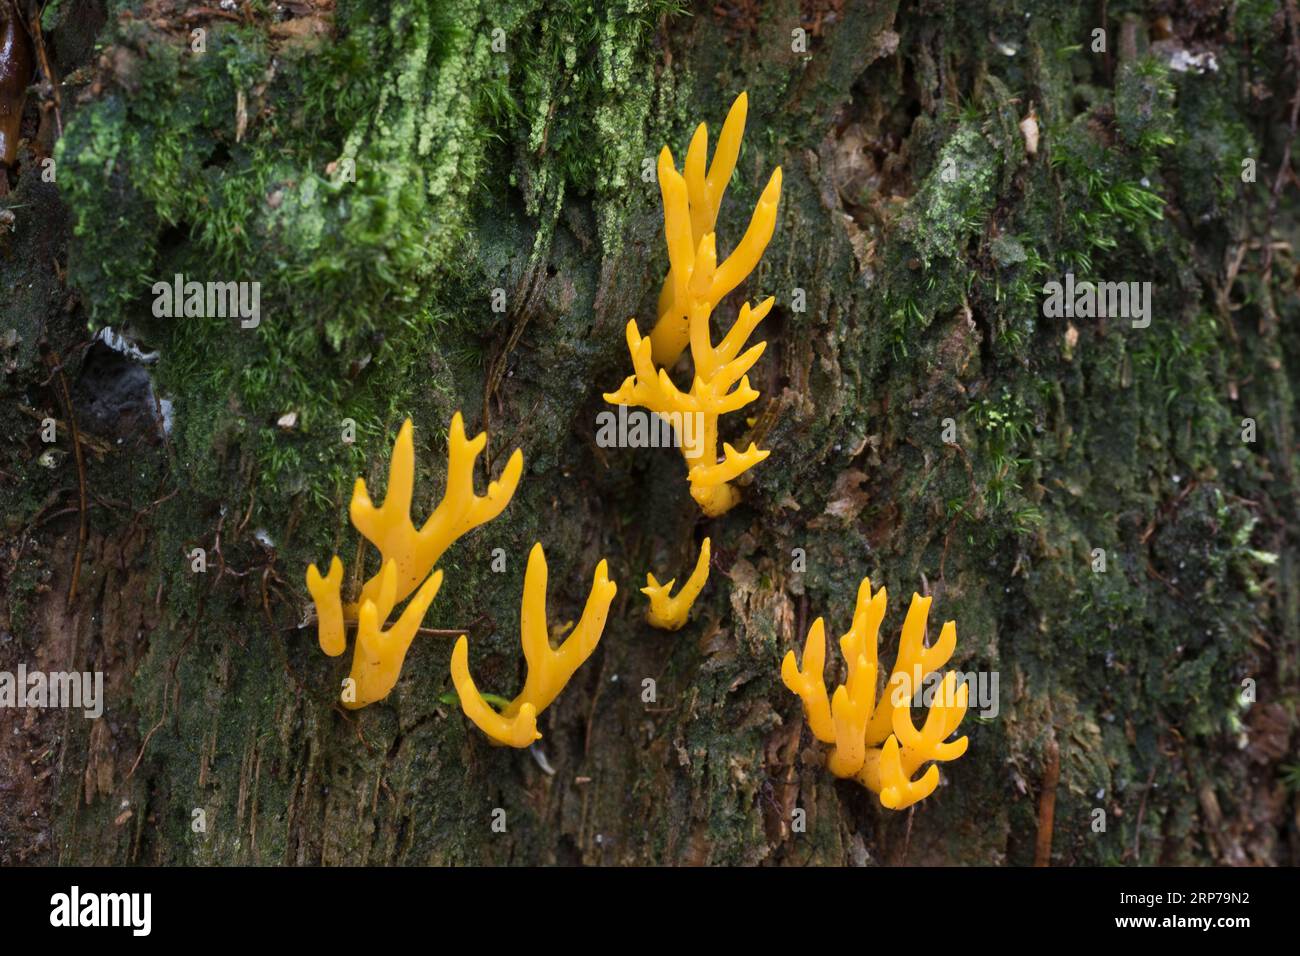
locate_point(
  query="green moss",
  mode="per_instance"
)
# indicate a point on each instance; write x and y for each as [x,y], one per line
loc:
[346,208]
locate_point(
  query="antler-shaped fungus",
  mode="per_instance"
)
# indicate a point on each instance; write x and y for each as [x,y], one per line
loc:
[875,740]
[704,198]
[517,731]
[389,527]
[378,656]
[668,612]
[549,669]
[899,762]
[694,287]
[407,558]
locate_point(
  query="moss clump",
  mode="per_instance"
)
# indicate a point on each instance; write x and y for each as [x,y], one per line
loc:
[352,207]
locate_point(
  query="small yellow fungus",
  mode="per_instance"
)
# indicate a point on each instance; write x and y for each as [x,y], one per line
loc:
[549,669]
[873,739]
[327,593]
[667,612]
[696,284]
[407,557]
[378,656]
[517,731]
[907,748]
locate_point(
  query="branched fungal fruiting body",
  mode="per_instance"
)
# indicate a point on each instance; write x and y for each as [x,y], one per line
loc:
[671,333]
[407,557]
[668,612]
[695,285]
[517,731]
[549,669]
[379,654]
[389,527]
[874,740]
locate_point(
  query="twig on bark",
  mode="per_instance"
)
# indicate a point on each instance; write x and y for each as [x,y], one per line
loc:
[1284,168]
[1047,803]
[43,59]
[1142,812]
[83,531]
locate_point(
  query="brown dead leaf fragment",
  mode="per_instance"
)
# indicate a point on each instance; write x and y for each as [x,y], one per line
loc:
[303,28]
[1270,733]
[1029,130]
[848,497]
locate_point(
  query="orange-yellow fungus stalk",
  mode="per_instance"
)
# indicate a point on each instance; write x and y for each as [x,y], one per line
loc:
[810,684]
[695,285]
[407,557]
[549,669]
[704,194]
[873,739]
[326,592]
[517,731]
[378,654]
[389,527]
[850,713]
[669,612]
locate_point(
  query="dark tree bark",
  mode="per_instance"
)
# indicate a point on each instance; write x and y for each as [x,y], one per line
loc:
[380,169]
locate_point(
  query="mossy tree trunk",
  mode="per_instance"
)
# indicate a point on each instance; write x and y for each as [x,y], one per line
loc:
[381,169]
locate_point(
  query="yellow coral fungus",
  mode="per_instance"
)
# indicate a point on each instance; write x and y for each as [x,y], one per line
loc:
[407,557]
[549,669]
[907,748]
[326,592]
[695,285]
[379,654]
[875,740]
[517,731]
[704,192]
[389,527]
[668,612]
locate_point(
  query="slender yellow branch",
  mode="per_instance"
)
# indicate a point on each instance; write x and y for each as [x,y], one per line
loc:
[701,196]
[326,592]
[517,731]
[851,712]
[810,682]
[378,654]
[549,669]
[668,612]
[914,663]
